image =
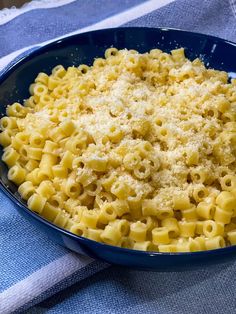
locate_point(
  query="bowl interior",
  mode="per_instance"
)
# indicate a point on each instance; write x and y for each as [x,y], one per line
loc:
[83,48]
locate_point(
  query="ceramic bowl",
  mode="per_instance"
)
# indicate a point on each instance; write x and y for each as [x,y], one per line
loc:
[83,48]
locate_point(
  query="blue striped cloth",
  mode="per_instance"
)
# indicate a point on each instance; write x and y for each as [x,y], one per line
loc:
[38,276]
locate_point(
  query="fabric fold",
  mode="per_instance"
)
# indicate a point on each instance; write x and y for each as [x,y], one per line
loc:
[33,268]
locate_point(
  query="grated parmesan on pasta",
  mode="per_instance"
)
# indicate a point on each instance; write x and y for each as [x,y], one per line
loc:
[137,150]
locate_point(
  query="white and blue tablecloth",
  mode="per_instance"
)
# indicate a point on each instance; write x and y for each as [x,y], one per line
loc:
[38,276]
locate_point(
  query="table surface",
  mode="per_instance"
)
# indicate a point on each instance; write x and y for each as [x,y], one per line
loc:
[112,290]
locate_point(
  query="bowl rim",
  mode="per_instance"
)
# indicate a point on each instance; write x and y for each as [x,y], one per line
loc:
[27,56]
[37,50]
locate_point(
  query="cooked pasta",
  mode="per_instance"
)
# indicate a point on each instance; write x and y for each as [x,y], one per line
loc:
[137,151]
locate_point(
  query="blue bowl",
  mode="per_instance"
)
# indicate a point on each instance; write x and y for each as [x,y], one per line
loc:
[14,82]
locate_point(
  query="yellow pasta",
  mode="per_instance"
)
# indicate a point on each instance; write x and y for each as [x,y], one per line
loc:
[142,246]
[205,210]
[94,234]
[181,201]
[183,246]
[46,189]
[62,219]
[26,189]
[226,201]
[89,218]
[107,213]
[214,243]
[160,235]
[5,138]
[232,237]
[122,225]
[187,229]
[138,231]
[36,203]
[222,216]
[137,151]
[121,207]
[172,225]
[79,229]
[110,235]
[10,156]
[212,228]
[17,174]
[50,212]
[190,213]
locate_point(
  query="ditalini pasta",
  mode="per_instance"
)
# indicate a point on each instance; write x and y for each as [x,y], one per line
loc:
[137,151]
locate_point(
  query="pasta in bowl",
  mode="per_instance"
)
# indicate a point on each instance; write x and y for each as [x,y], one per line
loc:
[136,150]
